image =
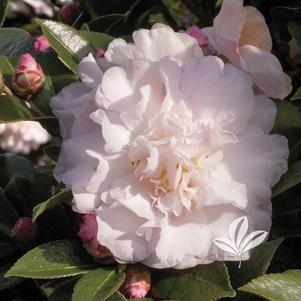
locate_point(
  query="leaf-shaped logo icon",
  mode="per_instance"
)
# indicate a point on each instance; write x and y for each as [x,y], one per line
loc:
[239,242]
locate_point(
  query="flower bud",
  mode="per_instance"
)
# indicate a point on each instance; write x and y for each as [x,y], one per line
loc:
[137,282]
[88,235]
[41,44]
[100,52]
[25,232]
[28,78]
[1,83]
[69,12]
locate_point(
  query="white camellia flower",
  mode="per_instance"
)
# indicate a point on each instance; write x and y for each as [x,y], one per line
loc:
[22,137]
[167,147]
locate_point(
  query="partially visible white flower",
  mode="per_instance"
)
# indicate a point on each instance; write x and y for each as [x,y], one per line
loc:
[167,147]
[22,137]
[41,7]
[242,36]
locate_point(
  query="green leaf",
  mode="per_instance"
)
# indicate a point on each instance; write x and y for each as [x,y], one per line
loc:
[96,39]
[60,198]
[59,290]
[117,296]
[14,42]
[54,259]
[6,249]
[57,76]
[288,122]
[291,178]
[295,31]
[256,266]
[25,194]
[6,283]
[3,11]
[276,287]
[296,96]
[15,166]
[7,69]
[13,109]
[8,215]
[209,281]
[68,44]
[98,285]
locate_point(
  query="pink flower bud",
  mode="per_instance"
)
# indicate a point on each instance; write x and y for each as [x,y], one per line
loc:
[28,78]
[69,12]
[196,32]
[137,282]
[25,232]
[100,52]
[88,235]
[41,44]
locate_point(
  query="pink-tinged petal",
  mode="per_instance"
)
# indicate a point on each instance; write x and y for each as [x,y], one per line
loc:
[266,71]
[199,83]
[255,31]
[269,155]
[228,26]
[88,234]
[89,72]
[221,188]
[264,114]
[197,33]
[119,235]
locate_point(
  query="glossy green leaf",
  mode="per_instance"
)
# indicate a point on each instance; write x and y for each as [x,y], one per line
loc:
[295,31]
[13,109]
[256,266]
[96,39]
[60,198]
[59,290]
[297,95]
[117,296]
[276,287]
[288,122]
[55,259]
[68,44]
[15,166]
[14,42]
[7,69]
[98,285]
[209,281]
[291,178]
[3,11]
[57,76]
[25,194]
[6,283]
